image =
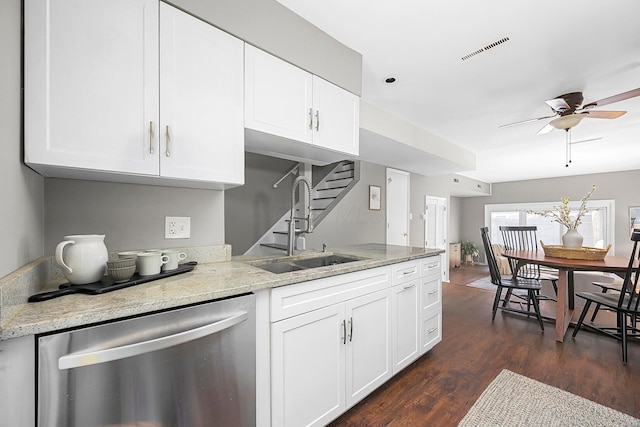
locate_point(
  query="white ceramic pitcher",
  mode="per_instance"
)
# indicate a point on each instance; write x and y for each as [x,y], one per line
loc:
[82,258]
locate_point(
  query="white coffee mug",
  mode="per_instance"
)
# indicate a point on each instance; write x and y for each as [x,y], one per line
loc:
[175,256]
[150,263]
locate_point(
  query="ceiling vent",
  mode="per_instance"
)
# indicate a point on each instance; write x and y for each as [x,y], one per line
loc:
[487,47]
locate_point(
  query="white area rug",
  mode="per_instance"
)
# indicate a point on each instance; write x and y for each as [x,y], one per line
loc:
[515,400]
[484,283]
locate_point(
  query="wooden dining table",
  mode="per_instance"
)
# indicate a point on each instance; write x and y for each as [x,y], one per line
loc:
[566,268]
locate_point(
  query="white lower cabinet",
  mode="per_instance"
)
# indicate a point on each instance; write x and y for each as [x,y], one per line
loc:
[406,335]
[430,303]
[335,340]
[368,345]
[308,368]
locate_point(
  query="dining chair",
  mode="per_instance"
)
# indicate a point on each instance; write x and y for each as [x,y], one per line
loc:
[625,303]
[615,285]
[510,283]
[524,238]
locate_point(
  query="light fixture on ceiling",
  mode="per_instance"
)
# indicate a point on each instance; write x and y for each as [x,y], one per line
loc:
[567,122]
[390,80]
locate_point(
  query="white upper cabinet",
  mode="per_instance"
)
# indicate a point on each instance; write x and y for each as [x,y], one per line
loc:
[201,92]
[106,82]
[285,101]
[278,96]
[91,84]
[336,117]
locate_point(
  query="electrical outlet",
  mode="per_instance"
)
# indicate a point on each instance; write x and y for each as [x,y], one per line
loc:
[177,227]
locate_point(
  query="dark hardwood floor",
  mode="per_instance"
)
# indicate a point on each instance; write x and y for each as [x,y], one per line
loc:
[440,387]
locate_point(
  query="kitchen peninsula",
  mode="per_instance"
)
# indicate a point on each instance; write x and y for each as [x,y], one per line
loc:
[398,280]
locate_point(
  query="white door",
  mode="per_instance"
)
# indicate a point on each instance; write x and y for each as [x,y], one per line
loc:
[336,117]
[308,368]
[435,229]
[201,83]
[406,342]
[368,345]
[397,207]
[278,96]
[91,84]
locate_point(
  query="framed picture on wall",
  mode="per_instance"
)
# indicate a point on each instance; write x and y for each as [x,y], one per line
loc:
[634,218]
[374,197]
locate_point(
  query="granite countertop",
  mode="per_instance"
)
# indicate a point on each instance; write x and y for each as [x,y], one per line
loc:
[208,281]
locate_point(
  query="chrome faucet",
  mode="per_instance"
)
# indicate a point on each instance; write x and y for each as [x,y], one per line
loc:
[293,218]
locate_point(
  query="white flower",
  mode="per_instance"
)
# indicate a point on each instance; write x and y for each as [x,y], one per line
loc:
[561,214]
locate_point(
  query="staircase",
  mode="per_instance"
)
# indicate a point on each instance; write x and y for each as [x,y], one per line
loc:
[325,196]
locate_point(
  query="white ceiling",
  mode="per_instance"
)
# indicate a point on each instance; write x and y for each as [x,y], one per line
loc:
[555,47]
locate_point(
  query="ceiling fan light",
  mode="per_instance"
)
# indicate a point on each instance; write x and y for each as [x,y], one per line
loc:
[567,122]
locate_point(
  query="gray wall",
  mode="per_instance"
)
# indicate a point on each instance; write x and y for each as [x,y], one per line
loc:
[421,186]
[274,28]
[131,216]
[21,190]
[455,219]
[252,209]
[619,186]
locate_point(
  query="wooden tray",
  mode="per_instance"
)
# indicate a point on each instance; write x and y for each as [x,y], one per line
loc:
[585,252]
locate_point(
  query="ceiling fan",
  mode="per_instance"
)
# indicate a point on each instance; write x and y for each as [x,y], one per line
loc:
[568,110]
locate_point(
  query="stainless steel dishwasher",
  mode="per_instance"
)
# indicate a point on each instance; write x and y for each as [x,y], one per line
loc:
[187,367]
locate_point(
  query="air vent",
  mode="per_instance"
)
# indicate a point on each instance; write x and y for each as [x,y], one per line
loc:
[487,47]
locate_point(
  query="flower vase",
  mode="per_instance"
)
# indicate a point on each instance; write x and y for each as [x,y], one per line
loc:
[572,239]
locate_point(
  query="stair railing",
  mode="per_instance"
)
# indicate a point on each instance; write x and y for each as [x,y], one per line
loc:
[293,170]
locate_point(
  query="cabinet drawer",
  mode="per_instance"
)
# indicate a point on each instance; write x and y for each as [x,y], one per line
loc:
[405,271]
[430,295]
[291,300]
[430,329]
[430,266]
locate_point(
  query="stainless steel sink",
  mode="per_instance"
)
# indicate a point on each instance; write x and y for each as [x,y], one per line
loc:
[279,267]
[291,264]
[323,261]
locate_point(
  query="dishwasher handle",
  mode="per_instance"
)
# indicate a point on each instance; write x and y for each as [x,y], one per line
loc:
[76,360]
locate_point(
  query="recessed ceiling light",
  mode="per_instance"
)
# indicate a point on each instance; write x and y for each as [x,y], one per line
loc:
[390,80]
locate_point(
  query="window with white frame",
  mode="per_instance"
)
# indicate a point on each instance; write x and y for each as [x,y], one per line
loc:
[597,226]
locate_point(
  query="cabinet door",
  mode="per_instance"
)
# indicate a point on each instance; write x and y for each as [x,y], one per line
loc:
[405,324]
[336,117]
[277,96]
[201,91]
[307,368]
[368,344]
[91,84]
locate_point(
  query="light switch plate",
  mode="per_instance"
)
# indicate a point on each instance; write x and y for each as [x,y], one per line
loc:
[177,227]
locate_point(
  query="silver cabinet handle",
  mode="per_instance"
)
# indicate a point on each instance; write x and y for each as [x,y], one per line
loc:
[432,330]
[435,291]
[351,329]
[76,360]
[410,286]
[432,265]
[152,138]
[344,332]
[167,151]
[311,118]
[409,272]
[317,120]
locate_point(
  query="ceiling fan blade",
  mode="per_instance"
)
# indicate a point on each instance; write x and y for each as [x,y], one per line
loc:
[526,121]
[548,128]
[558,104]
[603,114]
[585,140]
[615,98]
